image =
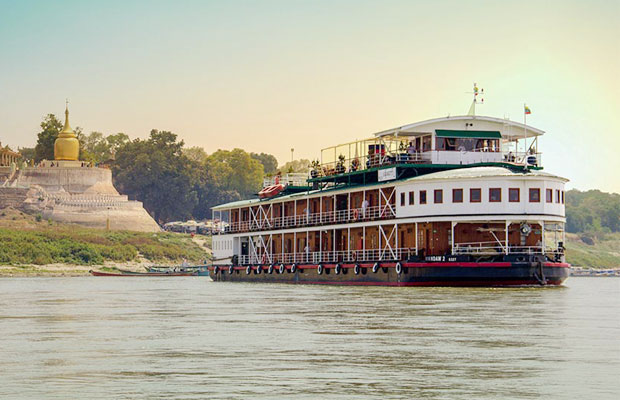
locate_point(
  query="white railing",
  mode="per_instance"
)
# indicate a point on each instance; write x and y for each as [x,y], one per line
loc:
[493,248]
[367,162]
[520,157]
[329,217]
[316,257]
[292,179]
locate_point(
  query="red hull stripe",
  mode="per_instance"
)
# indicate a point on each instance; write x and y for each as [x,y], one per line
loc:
[410,265]
[431,283]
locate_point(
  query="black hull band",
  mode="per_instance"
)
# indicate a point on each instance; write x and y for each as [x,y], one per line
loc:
[411,274]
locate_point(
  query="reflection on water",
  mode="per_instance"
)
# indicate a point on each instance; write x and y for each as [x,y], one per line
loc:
[189,338]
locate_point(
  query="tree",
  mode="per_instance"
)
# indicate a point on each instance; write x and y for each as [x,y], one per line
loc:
[156,172]
[98,148]
[197,154]
[236,170]
[270,163]
[27,153]
[50,128]
[295,166]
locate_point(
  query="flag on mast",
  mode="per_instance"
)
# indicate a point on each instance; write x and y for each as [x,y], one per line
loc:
[526,109]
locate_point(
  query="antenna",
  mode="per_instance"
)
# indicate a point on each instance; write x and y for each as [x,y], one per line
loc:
[478,99]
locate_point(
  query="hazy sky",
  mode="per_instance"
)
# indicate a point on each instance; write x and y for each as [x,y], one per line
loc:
[270,75]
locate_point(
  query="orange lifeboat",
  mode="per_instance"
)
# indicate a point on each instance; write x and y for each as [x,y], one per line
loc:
[270,191]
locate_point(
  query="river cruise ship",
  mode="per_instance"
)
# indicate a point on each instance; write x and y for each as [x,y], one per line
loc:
[454,201]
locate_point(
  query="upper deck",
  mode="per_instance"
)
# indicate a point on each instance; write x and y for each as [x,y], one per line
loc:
[432,145]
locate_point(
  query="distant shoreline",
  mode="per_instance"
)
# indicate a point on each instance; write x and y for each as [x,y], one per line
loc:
[57,270]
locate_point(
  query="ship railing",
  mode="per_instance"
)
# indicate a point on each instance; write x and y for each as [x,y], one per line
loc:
[522,158]
[493,248]
[332,257]
[291,179]
[314,219]
[369,161]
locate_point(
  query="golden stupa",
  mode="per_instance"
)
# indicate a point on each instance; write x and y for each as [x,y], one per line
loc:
[67,146]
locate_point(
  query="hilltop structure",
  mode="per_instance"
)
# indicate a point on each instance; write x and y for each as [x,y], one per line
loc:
[72,191]
[8,156]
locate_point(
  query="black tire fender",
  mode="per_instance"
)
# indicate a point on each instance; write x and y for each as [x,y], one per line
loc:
[375,267]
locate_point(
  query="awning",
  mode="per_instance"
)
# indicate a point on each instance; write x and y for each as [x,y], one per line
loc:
[468,134]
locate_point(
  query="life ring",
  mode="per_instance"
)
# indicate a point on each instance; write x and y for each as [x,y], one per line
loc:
[375,268]
[337,269]
[293,268]
[399,268]
[356,269]
[258,269]
[319,269]
[248,270]
[270,269]
[216,269]
[231,269]
[281,269]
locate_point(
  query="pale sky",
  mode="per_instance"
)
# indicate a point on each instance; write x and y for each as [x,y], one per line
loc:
[266,76]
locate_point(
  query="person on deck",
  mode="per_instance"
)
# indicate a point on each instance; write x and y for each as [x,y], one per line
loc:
[364,207]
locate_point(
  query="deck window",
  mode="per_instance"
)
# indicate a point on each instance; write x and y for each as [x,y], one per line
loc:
[411,198]
[422,196]
[514,195]
[402,199]
[562,197]
[457,195]
[495,195]
[438,196]
[534,195]
[475,195]
[557,196]
[549,195]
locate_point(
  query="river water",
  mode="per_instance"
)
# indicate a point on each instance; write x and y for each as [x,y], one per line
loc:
[189,338]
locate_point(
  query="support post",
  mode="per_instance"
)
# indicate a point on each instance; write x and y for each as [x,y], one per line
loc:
[506,227]
[416,238]
[452,237]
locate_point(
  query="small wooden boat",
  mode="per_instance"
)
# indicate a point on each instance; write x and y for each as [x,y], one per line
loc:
[134,274]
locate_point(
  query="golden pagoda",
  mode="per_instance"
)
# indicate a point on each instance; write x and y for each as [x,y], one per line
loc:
[67,146]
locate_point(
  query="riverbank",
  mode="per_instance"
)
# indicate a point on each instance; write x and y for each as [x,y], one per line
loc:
[30,246]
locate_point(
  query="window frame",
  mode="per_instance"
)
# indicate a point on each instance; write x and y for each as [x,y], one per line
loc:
[548,199]
[500,195]
[511,190]
[457,190]
[435,193]
[532,191]
[471,191]
[402,199]
[412,197]
[423,201]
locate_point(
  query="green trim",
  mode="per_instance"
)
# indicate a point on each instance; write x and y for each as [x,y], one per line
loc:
[468,134]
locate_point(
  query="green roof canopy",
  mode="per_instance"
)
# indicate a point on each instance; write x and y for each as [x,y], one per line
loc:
[468,134]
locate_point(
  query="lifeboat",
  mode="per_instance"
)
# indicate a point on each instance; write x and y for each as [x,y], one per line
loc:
[270,191]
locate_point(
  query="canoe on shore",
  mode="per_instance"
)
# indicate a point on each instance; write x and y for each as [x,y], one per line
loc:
[134,274]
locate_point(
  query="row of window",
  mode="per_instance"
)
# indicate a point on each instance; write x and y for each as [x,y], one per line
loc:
[475,196]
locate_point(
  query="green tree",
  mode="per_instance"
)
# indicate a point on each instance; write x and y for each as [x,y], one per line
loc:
[592,211]
[270,163]
[197,154]
[50,128]
[27,153]
[98,148]
[236,170]
[298,166]
[156,172]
